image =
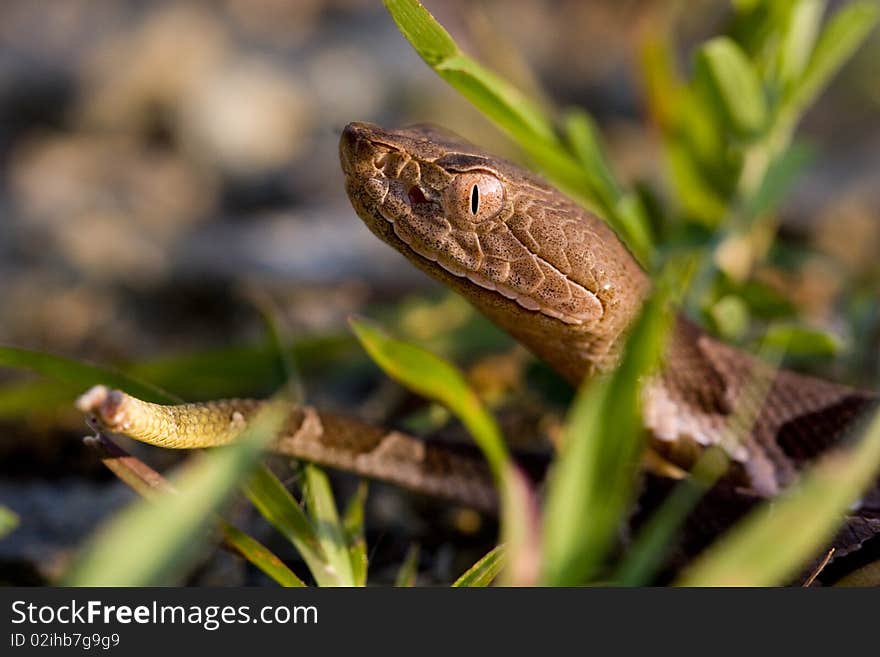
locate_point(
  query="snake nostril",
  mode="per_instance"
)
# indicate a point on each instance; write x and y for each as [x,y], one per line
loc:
[416,195]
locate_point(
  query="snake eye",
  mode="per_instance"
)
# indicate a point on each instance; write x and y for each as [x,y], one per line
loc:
[473,197]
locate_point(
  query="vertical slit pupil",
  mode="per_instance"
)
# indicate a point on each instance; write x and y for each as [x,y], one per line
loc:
[475,199]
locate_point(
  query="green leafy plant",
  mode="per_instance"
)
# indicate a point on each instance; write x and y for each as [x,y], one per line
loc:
[153,542]
[437,379]
[593,481]
[333,554]
[484,572]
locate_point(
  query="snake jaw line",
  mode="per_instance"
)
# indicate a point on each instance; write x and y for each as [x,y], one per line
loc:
[493,224]
[524,300]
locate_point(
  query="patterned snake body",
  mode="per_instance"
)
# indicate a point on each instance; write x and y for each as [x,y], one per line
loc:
[560,281]
[557,279]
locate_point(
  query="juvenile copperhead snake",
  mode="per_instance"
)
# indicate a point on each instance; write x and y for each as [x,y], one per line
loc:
[558,280]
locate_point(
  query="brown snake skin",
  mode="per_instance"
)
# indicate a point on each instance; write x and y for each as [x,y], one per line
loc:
[397,181]
[559,280]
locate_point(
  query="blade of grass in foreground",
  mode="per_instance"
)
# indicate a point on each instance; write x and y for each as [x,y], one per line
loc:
[409,569]
[649,549]
[516,114]
[281,510]
[276,335]
[317,493]
[25,398]
[484,572]
[495,97]
[259,555]
[353,521]
[84,375]
[735,85]
[841,37]
[773,542]
[591,484]
[520,530]
[330,531]
[230,371]
[150,485]
[155,542]
[651,546]
[435,378]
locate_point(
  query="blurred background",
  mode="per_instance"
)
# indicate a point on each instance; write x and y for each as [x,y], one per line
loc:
[168,172]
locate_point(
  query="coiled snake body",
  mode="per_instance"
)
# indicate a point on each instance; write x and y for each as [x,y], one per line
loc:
[556,278]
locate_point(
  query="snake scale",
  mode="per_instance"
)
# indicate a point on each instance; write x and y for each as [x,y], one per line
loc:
[556,278]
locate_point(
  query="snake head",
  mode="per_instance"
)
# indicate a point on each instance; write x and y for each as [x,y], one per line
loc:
[429,192]
[478,217]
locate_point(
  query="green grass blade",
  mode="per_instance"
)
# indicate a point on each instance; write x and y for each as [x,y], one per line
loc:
[778,180]
[353,522]
[517,115]
[291,378]
[331,533]
[520,530]
[150,485]
[649,549]
[803,21]
[81,374]
[841,37]
[624,214]
[8,521]
[663,89]
[651,546]
[430,40]
[435,378]
[409,569]
[484,571]
[585,142]
[498,99]
[277,506]
[153,542]
[690,135]
[773,542]
[693,190]
[591,483]
[231,371]
[18,399]
[259,555]
[735,85]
